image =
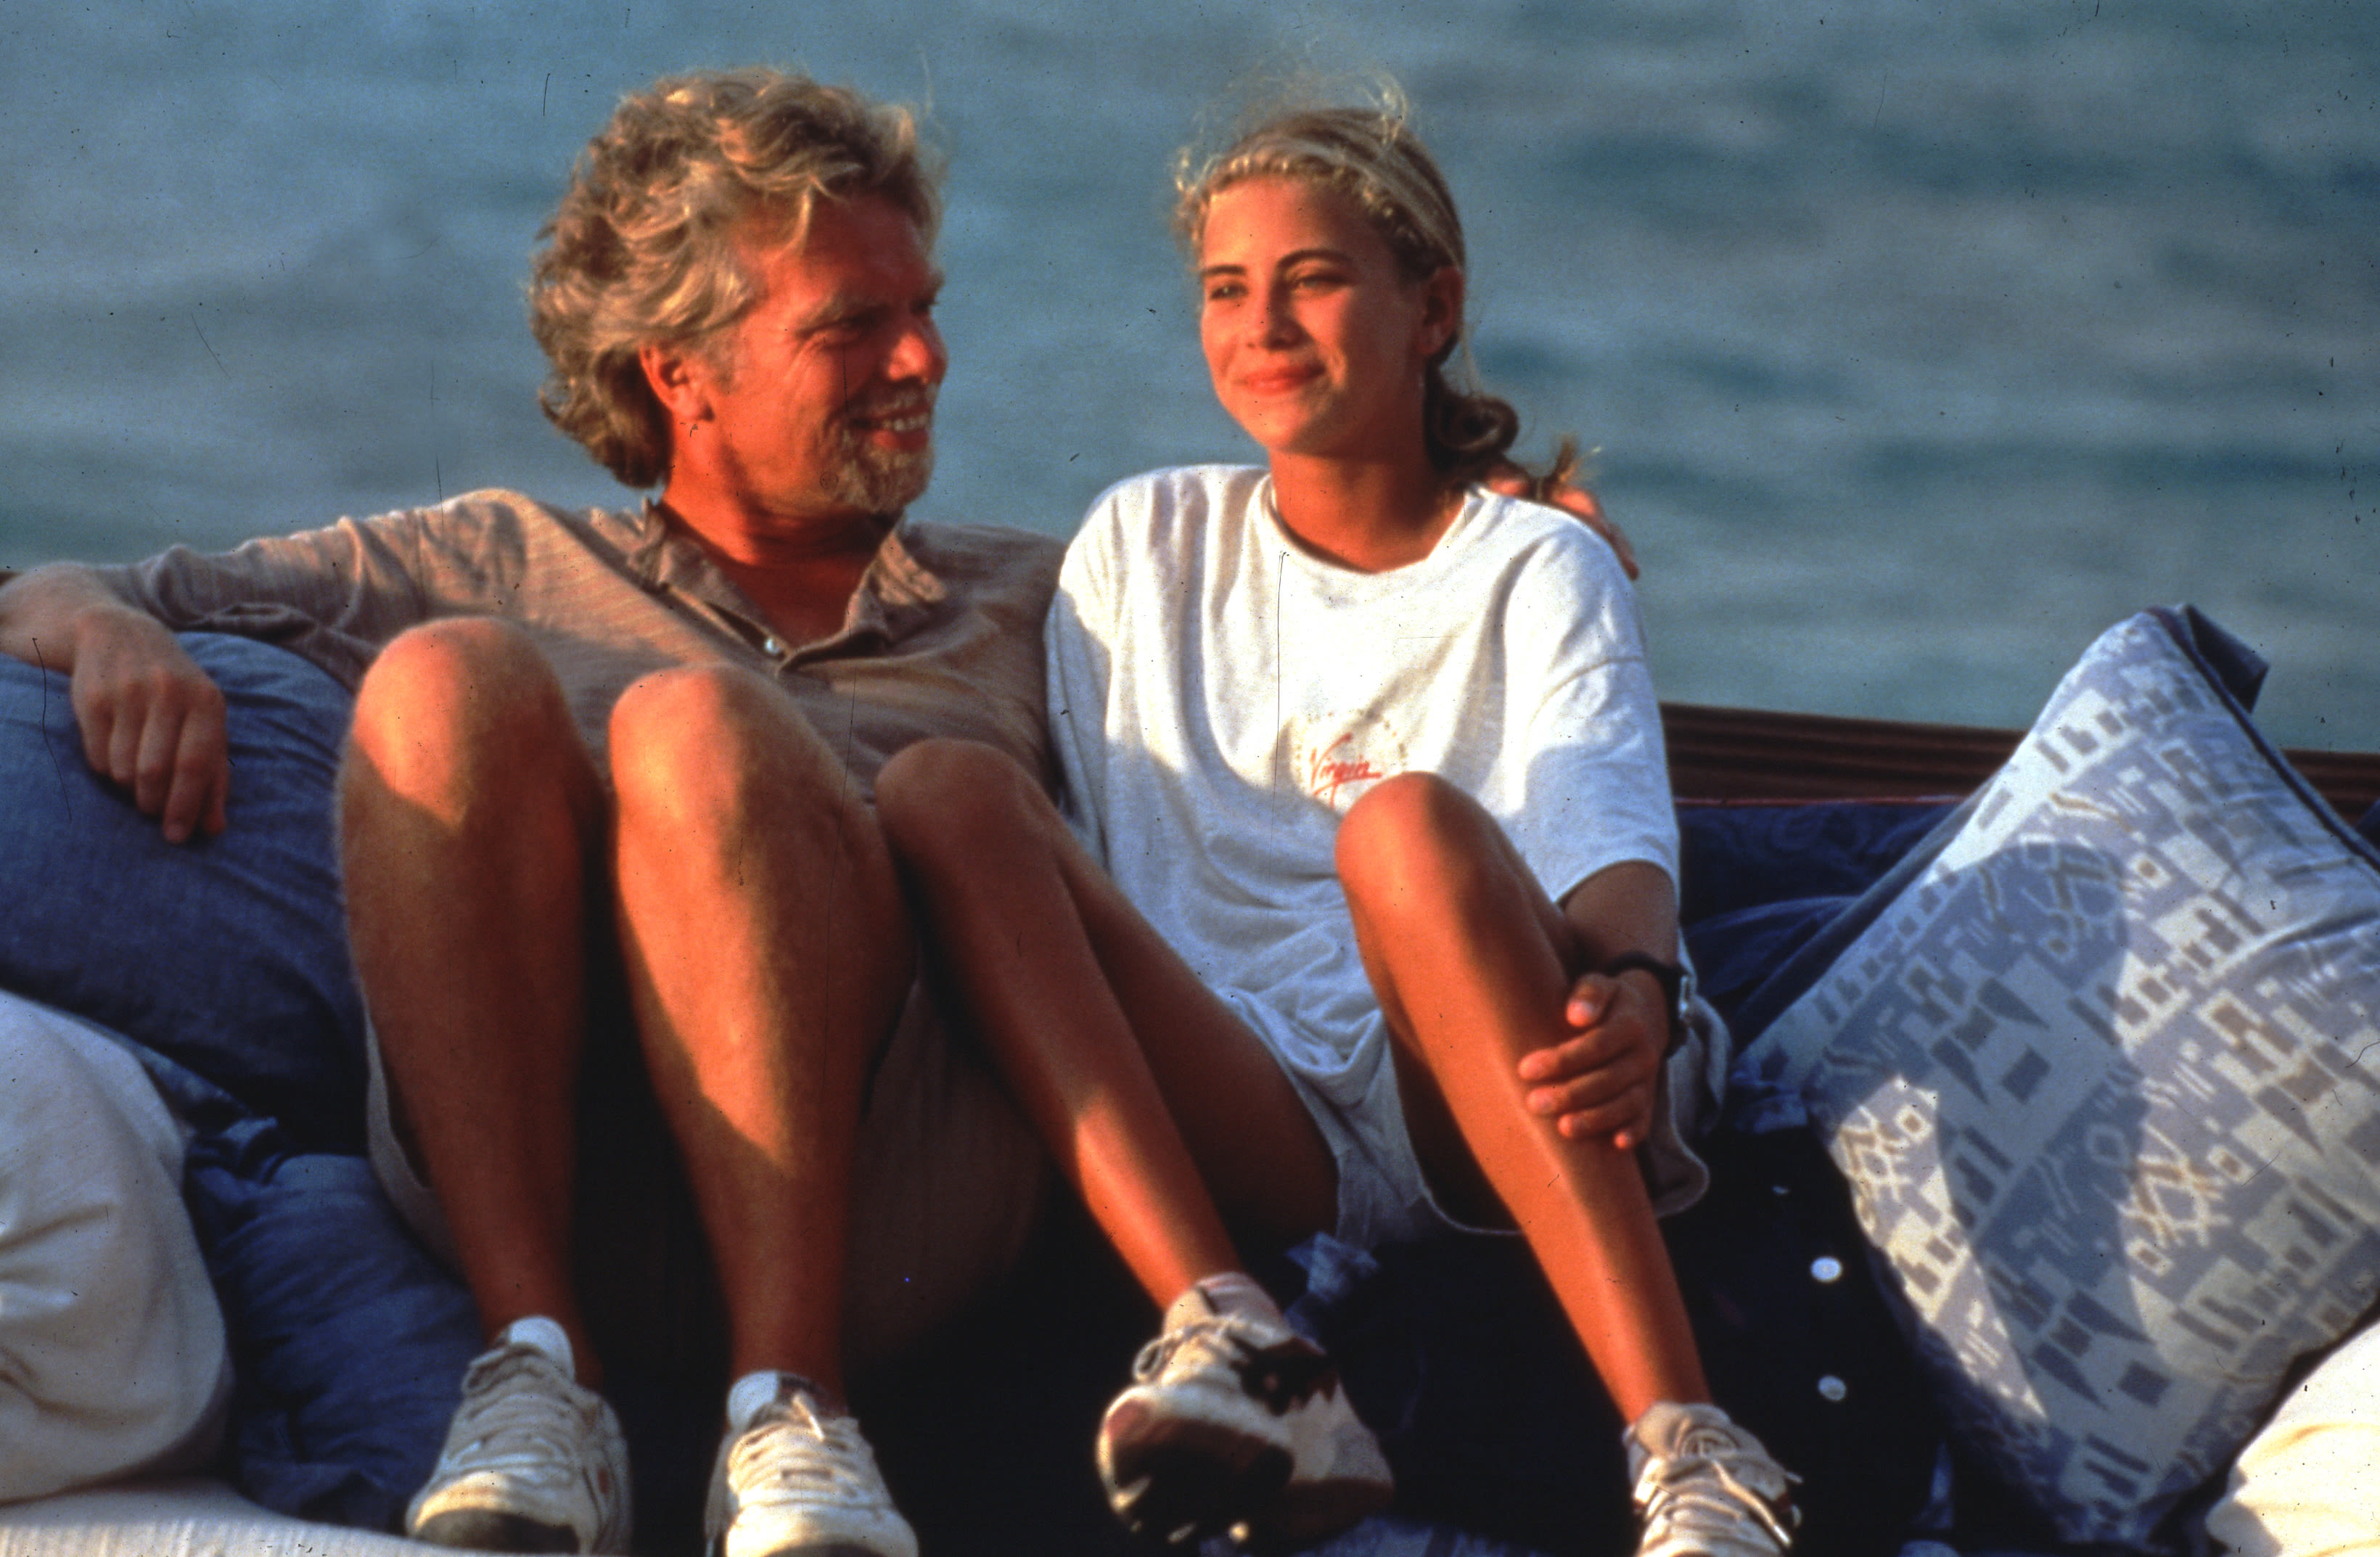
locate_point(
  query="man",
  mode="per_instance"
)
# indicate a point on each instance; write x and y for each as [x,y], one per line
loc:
[598,750]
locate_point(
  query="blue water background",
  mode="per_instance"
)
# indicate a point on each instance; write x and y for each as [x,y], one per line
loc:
[1921,341]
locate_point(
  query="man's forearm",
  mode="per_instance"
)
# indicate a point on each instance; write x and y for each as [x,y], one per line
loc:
[39,613]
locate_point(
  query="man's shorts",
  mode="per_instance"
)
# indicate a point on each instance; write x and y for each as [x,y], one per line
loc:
[948,1180]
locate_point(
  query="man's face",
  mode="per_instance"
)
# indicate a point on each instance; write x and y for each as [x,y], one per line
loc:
[823,395]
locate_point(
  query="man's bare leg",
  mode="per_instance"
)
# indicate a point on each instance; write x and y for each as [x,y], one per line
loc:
[769,953]
[468,811]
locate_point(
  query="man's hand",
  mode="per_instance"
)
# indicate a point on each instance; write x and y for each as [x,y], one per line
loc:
[151,720]
[1600,1080]
[1558,490]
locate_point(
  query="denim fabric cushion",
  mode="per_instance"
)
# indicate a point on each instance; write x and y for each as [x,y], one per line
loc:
[348,1342]
[228,954]
[2099,1074]
[1763,880]
[225,963]
[1738,855]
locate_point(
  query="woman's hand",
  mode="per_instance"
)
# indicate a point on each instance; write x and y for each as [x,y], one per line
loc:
[1600,1080]
[1578,502]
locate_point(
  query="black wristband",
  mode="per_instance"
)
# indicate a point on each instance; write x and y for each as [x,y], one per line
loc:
[1677,989]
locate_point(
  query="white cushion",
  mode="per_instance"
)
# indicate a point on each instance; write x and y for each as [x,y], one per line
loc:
[111,1354]
[179,1517]
[2308,1484]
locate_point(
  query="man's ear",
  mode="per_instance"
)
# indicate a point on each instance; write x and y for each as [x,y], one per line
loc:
[679,380]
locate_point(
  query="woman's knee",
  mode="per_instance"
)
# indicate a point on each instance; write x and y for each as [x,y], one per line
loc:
[944,794]
[1411,823]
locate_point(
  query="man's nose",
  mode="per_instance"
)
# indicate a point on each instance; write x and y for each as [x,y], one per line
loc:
[919,352]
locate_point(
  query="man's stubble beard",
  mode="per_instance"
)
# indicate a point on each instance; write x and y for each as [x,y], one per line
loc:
[879,480]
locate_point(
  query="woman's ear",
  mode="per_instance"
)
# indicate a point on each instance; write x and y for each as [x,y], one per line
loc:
[1442,312]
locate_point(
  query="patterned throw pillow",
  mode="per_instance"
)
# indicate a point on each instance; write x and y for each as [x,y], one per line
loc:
[2106,1081]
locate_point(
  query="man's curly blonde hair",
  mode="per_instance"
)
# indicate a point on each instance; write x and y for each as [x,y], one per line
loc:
[642,250]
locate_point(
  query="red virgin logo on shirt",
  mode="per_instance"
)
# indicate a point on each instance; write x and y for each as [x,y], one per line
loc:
[1338,757]
[1337,767]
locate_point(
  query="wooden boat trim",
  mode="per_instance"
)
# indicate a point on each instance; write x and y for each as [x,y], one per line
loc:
[1755,754]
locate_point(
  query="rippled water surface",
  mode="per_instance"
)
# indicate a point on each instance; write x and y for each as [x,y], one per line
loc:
[1921,341]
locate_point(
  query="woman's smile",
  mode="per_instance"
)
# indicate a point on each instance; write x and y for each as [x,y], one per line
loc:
[1316,340]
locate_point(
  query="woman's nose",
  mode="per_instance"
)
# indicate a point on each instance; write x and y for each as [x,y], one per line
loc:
[1275,322]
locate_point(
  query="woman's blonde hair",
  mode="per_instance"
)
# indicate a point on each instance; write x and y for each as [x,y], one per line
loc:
[642,250]
[1372,155]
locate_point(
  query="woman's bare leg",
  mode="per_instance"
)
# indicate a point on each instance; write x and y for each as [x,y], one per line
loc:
[1168,1114]
[1474,967]
[1155,1101]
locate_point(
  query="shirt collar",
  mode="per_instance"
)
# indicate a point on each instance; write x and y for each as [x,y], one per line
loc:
[898,590]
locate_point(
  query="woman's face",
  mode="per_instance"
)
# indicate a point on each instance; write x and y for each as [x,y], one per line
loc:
[1315,341]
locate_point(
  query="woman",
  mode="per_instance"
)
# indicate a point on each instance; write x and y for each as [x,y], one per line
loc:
[1366,919]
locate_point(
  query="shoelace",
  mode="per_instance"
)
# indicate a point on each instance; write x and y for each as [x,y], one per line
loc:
[532,1430]
[1225,1338]
[1279,1368]
[1677,1497]
[794,1451]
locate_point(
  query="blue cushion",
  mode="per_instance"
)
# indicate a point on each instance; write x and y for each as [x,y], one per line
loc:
[1764,880]
[348,1342]
[229,954]
[1455,1352]
[2098,1069]
[1736,855]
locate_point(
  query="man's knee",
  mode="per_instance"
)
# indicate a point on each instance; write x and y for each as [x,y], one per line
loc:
[450,697]
[711,747]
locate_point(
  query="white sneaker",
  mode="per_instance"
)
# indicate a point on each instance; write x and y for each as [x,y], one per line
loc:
[532,1462]
[1237,1425]
[1705,1488]
[797,1480]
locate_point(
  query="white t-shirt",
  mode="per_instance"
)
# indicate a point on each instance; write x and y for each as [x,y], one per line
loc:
[1220,696]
